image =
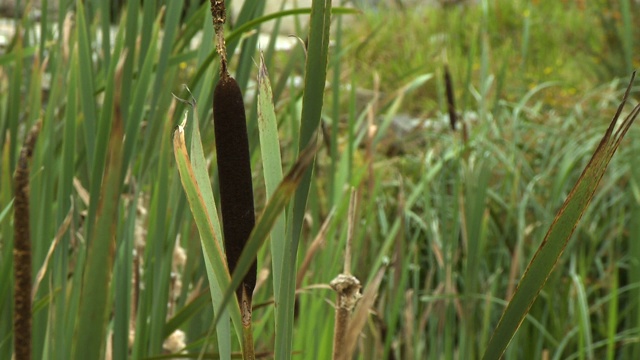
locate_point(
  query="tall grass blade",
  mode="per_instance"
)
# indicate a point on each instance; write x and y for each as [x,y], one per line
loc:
[272,165]
[312,102]
[94,299]
[584,326]
[140,90]
[60,346]
[627,35]
[633,320]
[87,86]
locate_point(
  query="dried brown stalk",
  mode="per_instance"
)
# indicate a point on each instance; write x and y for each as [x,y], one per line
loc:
[347,287]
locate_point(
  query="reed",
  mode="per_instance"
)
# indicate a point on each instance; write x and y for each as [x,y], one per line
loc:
[22,250]
[127,244]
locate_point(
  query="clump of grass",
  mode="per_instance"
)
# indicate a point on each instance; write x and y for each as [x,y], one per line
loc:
[444,228]
[560,231]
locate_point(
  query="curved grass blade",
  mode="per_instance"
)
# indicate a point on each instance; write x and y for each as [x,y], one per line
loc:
[199,165]
[558,235]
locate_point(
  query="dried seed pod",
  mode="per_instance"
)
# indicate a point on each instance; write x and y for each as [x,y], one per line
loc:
[234,174]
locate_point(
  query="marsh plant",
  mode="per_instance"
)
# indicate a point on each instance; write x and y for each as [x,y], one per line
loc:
[418,182]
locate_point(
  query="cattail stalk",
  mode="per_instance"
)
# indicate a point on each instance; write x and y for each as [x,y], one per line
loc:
[22,251]
[451,105]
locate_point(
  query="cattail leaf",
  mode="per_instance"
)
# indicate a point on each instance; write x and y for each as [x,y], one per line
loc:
[199,165]
[271,164]
[140,92]
[312,103]
[86,83]
[559,233]
[271,160]
[213,252]
[93,312]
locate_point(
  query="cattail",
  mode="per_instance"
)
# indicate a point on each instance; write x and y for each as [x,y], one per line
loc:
[234,173]
[451,104]
[22,251]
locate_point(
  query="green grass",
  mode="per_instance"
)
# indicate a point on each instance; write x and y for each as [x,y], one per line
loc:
[451,223]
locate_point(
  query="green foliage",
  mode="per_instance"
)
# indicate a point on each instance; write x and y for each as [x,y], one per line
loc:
[452,221]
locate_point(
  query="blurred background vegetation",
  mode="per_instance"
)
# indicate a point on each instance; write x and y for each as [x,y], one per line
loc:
[453,217]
